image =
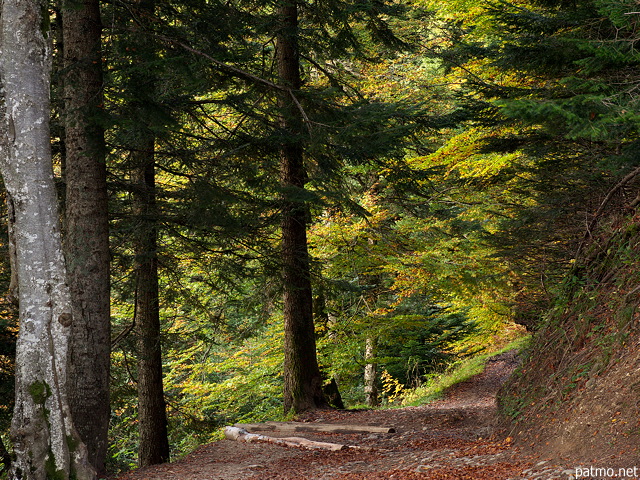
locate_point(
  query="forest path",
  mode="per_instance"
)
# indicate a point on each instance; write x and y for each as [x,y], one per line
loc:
[452,438]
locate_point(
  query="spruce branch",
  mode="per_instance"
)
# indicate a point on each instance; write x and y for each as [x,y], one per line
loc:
[240,73]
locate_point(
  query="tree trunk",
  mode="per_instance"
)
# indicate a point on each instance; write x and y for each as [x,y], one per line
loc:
[370,373]
[87,227]
[152,417]
[45,442]
[371,341]
[12,294]
[302,378]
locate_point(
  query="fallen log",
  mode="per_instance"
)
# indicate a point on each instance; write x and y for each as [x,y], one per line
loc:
[312,427]
[241,435]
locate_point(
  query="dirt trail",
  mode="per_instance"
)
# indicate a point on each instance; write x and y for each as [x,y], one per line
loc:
[452,438]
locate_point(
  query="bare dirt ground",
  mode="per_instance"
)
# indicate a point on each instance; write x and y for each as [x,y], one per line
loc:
[453,438]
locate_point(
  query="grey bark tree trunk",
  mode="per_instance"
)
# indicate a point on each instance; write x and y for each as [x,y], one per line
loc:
[371,341]
[302,378]
[13,293]
[370,373]
[46,444]
[152,417]
[87,227]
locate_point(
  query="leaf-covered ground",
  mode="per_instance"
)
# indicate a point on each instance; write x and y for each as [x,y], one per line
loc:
[453,438]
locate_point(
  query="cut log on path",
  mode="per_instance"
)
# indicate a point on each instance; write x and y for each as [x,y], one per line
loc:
[241,435]
[312,427]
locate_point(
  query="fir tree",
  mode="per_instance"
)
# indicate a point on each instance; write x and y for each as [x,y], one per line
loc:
[556,95]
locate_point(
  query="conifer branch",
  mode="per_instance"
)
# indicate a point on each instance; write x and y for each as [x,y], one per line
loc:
[241,74]
[333,80]
[225,66]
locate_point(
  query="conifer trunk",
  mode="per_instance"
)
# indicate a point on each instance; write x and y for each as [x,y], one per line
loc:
[302,378]
[45,442]
[152,417]
[87,227]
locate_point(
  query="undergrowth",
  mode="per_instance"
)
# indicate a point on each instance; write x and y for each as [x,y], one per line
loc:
[595,314]
[436,385]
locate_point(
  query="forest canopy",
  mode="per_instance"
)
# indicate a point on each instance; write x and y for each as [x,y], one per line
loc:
[259,199]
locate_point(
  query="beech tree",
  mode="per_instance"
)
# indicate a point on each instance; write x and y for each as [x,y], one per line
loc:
[45,442]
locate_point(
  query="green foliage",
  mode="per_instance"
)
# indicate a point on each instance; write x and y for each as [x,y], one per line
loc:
[215,375]
[452,150]
[588,327]
[374,285]
[585,64]
[237,380]
[409,346]
[414,345]
[450,156]
[547,91]
[457,372]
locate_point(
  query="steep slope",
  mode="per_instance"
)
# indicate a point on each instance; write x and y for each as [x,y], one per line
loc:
[577,392]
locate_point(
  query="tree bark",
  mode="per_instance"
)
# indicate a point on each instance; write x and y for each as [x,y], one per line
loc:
[13,293]
[141,83]
[370,373]
[302,378]
[152,418]
[45,442]
[87,227]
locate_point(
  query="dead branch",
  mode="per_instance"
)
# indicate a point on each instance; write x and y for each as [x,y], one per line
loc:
[312,427]
[241,435]
[630,176]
